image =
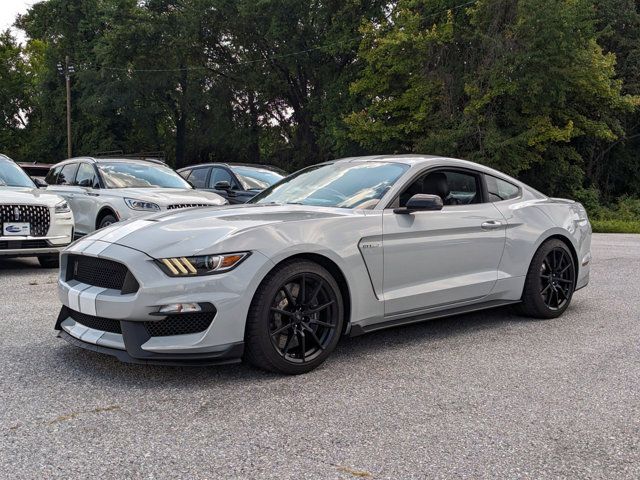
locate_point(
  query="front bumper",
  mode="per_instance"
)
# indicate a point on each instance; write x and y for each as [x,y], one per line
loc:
[59,236]
[222,342]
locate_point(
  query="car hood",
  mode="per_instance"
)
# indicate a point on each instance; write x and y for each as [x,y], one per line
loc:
[205,230]
[169,196]
[28,196]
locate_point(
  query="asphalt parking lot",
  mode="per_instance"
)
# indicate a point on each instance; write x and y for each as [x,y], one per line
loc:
[487,395]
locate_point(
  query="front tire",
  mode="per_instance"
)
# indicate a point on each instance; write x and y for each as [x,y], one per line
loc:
[106,221]
[49,261]
[295,320]
[550,281]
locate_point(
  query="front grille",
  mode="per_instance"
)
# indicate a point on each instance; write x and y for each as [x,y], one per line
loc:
[97,323]
[23,244]
[187,205]
[35,215]
[101,272]
[180,324]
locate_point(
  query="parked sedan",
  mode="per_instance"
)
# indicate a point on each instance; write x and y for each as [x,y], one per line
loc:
[105,191]
[237,182]
[341,248]
[34,223]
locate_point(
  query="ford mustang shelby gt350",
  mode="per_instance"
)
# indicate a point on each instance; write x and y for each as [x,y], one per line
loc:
[341,248]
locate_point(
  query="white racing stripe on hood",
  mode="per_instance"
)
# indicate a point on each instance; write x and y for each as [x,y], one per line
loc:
[116,234]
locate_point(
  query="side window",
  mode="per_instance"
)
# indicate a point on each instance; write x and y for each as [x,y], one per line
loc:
[67,174]
[198,177]
[221,175]
[500,189]
[86,176]
[52,176]
[453,186]
[464,188]
[184,173]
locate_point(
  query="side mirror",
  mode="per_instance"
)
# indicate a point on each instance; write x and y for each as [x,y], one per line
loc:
[86,183]
[39,182]
[223,185]
[420,203]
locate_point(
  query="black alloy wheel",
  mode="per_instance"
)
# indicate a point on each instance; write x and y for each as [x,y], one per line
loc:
[295,320]
[557,278]
[550,281]
[303,318]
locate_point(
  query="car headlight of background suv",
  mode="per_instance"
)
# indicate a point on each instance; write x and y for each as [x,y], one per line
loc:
[201,265]
[62,207]
[134,204]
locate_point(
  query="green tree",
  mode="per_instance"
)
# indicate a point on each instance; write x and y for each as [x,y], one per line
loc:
[516,85]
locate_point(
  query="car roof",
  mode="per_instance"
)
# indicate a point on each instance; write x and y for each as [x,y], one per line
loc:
[234,164]
[98,160]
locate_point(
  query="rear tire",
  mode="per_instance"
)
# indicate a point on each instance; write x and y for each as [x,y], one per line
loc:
[106,221]
[295,320]
[49,261]
[550,281]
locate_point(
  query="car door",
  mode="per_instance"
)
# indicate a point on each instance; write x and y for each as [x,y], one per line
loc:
[435,259]
[85,199]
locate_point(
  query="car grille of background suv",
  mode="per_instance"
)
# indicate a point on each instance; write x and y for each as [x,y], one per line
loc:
[180,324]
[97,323]
[187,205]
[101,272]
[35,215]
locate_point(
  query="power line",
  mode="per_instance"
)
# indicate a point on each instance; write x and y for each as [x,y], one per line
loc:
[273,57]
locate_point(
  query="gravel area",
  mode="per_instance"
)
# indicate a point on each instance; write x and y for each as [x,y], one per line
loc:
[487,395]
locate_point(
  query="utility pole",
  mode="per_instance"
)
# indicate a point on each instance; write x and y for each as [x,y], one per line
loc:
[67,70]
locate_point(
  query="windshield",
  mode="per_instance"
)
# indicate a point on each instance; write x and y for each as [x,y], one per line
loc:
[11,175]
[256,178]
[140,175]
[343,184]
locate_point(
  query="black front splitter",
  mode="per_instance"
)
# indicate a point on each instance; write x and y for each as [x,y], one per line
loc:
[232,353]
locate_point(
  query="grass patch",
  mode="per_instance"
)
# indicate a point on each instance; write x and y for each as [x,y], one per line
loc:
[616,226]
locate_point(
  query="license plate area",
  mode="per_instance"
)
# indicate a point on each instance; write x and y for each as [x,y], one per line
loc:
[16,229]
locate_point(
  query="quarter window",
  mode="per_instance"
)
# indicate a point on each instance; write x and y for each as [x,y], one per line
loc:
[500,189]
[198,177]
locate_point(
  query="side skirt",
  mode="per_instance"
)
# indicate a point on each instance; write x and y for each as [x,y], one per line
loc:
[357,330]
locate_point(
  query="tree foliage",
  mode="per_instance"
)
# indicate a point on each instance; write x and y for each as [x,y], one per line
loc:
[544,89]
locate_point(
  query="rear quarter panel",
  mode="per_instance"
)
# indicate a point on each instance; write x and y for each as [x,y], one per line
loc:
[531,221]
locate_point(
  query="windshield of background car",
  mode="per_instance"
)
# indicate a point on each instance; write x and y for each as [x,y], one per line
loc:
[11,175]
[341,184]
[256,178]
[139,175]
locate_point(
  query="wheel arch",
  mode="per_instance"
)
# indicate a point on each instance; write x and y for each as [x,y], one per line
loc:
[333,268]
[567,241]
[103,212]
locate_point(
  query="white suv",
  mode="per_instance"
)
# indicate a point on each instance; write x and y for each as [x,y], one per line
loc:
[34,223]
[104,191]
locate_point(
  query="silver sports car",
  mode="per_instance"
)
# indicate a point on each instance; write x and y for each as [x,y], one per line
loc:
[341,248]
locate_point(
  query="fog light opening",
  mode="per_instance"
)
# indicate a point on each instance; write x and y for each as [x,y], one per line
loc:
[180,308]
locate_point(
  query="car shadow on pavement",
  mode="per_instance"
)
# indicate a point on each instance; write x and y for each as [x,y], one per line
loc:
[108,370]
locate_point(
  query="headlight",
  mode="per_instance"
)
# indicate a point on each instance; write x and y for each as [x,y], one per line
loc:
[62,207]
[141,205]
[201,265]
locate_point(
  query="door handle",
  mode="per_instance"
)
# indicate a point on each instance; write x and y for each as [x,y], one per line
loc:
[492,225]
